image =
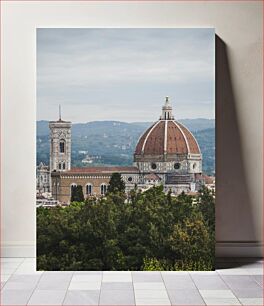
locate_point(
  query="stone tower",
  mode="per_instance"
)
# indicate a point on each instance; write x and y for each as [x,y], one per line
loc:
[60,145]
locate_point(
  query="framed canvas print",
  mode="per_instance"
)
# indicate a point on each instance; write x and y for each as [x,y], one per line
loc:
[125,149]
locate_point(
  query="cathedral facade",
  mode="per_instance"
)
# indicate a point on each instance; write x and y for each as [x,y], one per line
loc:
[167,153]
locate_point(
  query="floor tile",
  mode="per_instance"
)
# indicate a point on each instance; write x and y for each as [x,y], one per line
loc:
[87,278]
[54,281]
[87,297]
[117,273]
[240,282]
[31,278]
[174,273]
[117,297]
[20,285]
[8,270]
[158,302]
[185,297]
[222,301]
[149,286]
[209,282]
[151,294]
[12,259]
[142,276]
[5,277]
[85,286]
[15,297]
[217,294]
[233,271]
[179,282]
[258,279]
[11,265]
[27,268]
[207,273]
[30,260]
[255,271]
[117,286]
[248,293]
[126,277]
[47,297]
[251,301]
[88,272]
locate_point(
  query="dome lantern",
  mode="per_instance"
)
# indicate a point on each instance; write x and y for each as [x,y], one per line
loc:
[167,110]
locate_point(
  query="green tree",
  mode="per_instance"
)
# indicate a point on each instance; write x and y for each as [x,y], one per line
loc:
[116,184]
[207,206]
[139,231]
[77,194]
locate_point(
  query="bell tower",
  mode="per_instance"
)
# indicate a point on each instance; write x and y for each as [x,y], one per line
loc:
[60,144]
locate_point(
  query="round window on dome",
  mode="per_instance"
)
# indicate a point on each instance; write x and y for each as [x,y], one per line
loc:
[177,166]
[130,179]
[153,166]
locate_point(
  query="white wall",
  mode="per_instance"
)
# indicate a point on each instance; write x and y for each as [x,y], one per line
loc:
[239,107]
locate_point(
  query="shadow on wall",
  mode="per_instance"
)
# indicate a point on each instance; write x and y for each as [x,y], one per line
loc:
[234,215]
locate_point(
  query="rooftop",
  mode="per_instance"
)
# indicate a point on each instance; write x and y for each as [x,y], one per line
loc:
[103,170]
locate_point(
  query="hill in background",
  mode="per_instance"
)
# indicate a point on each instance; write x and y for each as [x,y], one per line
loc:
[113,142]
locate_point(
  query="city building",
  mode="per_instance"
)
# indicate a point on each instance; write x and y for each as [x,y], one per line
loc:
[167,153]
[43,178]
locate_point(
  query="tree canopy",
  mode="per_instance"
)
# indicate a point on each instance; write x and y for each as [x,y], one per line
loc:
[77,194]
[116,184]
[147,230]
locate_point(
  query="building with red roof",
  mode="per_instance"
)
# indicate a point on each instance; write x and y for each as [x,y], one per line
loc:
[167,153]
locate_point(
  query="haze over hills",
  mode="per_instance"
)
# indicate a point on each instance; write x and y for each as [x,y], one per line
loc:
[113,142]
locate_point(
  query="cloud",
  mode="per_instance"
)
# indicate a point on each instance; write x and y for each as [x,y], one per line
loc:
[117,70]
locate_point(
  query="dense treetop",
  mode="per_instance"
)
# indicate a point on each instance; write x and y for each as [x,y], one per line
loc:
[147,230]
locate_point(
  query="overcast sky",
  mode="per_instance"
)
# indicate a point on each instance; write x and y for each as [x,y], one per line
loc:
[124,74]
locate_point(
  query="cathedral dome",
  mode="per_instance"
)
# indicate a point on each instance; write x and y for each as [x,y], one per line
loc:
[166,138]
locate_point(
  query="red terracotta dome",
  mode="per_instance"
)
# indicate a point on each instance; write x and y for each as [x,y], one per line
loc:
[167,136]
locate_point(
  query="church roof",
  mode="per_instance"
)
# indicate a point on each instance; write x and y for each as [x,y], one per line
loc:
[152,176]
[103,170]
[167,136]
[208,179]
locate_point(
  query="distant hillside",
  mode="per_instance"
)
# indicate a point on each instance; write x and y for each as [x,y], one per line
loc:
[99,126]
[206,141]
[113,142]
[42,128]
[198,124]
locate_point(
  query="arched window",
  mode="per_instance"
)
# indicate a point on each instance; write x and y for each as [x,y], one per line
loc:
[89,189]
[62,146]
[59,166]
[103,189]
[63,166]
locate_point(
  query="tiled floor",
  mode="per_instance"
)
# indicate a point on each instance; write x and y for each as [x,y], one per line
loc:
[235,282]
